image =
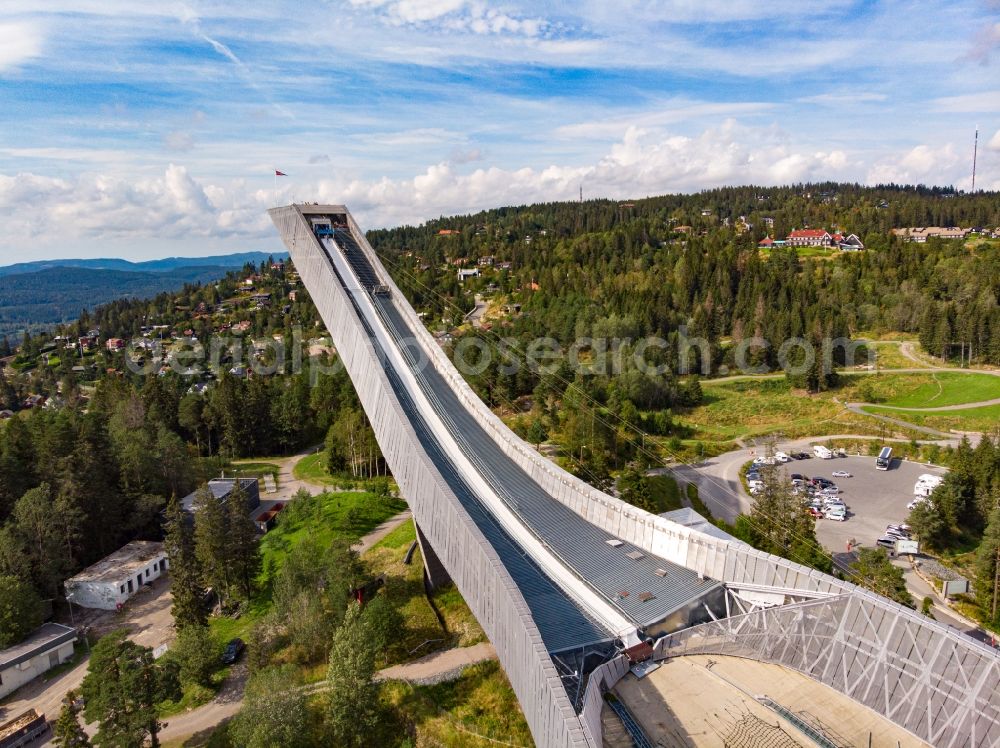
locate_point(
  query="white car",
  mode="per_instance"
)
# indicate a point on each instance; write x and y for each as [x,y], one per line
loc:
[840,474]
[916,502]
[839,514]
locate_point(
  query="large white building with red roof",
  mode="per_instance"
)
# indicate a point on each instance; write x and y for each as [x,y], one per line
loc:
[810,238]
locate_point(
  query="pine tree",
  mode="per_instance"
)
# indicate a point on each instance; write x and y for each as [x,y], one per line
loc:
[352,711]
[186,584]
[67,732]
[122,688]
[211,542]
[875,571]
[20,610]
[242,550]
[986,564]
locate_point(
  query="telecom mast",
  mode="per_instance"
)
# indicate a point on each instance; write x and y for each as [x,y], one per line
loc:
[975,152]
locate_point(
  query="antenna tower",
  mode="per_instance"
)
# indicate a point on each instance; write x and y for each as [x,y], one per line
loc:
[975,152]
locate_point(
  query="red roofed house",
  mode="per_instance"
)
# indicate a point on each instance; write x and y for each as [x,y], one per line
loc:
[115,344]
[810,238]
[766,243]
[448,232]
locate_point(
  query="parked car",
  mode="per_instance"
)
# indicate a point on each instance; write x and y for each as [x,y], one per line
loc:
[782,457]
[886,542]
[233,651]
[801,455]
[902,530]
[798,476]
[753,475]
[822,482]
[815,511]
[841,474]
[838,513]
[916,502]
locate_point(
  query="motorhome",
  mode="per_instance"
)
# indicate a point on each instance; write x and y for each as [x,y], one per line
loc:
[884,459]
[926,484]
[822,452]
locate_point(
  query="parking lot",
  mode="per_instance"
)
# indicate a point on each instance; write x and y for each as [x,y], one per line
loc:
[875,498]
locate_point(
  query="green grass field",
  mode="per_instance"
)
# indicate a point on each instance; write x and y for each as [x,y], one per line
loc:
[754,407]
[985,419]
[349,515]
[254,470]
[889,356]
[942,389]
[477,709]
[313,470]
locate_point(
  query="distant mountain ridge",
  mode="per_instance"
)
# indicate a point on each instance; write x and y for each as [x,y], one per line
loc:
[39,295]
[149,266]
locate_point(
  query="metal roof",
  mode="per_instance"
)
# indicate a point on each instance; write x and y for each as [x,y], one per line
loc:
[620,577]
[221,488]
[45,638]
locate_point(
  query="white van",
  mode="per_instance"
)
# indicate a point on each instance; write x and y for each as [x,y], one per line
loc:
[926,484]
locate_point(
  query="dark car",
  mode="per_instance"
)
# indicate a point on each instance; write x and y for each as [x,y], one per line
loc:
[233,651]
[801,455]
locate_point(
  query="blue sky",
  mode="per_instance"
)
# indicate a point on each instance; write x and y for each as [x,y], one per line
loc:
[147,129]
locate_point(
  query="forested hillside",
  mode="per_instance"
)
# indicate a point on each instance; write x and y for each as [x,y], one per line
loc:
[649,267]
[34,301]
[36,295]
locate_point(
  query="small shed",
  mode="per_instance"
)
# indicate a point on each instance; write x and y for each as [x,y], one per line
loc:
[115,578]
[47,646]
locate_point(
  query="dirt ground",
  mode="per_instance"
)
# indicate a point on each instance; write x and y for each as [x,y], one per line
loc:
[146,616]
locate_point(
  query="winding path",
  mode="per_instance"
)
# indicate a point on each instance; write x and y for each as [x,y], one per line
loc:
[433,668]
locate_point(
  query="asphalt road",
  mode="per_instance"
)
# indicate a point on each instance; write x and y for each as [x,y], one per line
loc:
[875,498]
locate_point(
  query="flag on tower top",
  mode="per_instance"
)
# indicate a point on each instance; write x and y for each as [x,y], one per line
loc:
[279,173]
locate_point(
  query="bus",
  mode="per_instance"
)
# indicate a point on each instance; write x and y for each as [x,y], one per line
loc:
[884,459]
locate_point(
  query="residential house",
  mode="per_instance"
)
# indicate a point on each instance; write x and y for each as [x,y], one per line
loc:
[114,344]
[33,401]
[107,584]
[449,232]
[49,645]
[464,273]
[851,243]
[810,238]
[766,243]
[485,262]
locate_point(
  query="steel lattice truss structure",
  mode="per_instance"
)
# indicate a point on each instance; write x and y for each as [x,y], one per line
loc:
[935,686]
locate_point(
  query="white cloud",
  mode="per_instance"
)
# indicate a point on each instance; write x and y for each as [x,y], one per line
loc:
[464,16]
[994,144]
[922,164]
[174,205]
[178,140]
[19,42]
[982,101]
[844,99]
